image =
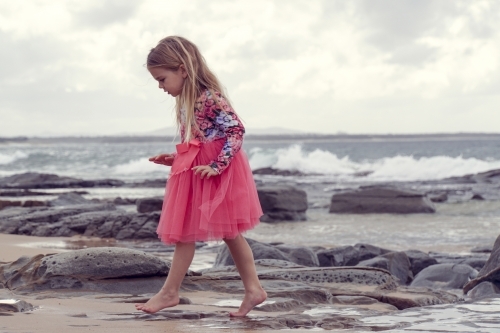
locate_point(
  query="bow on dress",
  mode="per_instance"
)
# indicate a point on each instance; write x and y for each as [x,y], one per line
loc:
[186,153]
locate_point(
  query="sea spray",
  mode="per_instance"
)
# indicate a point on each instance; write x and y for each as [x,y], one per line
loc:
[394,168]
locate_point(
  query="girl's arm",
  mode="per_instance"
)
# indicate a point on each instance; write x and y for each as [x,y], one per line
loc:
[228,122]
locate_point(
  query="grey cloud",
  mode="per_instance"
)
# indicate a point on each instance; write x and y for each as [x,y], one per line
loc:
[107,12]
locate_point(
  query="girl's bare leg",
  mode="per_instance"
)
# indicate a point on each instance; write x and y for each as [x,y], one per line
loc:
[168,295]
[243,258]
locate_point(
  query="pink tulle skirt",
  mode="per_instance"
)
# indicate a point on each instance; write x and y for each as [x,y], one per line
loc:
[222,206]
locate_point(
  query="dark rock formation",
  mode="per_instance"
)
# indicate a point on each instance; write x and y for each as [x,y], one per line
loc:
[338,256]
[69,199]
[444,276]
[297,254]
[79,269]
[34,180]
[491,270]
[441,197]
[101,220]
[277,172]
[484,290]
[419,260]
[380,199]
[397,263]
[367,251]
[282,203]
[147,205]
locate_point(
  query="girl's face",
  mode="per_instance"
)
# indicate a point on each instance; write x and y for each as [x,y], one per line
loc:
[170,81]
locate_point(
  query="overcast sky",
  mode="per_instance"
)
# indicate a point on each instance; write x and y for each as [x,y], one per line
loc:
[372,66]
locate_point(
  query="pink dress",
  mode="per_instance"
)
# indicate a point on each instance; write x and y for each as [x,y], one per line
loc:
[222,206]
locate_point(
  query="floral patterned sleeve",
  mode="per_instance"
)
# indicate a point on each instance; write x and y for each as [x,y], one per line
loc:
[227,122]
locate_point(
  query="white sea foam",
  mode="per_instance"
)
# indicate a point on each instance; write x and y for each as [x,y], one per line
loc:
[402,168]
[11,157]
[139,166]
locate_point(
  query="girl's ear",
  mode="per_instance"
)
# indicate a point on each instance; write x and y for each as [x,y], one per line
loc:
[182,68]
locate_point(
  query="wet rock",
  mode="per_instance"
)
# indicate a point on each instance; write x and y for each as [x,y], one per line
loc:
[14,305]
[367,251]
[282,203]
[34,180]
[397,263]
[260,265]
[484,290]
[280,304]
[297,254]
[34,203]
[419,260]
[489,177]
[476,263]
[491,270]
[444,276]
[380,199]
[152,183]
[147,205]
[339,256]
[21,193]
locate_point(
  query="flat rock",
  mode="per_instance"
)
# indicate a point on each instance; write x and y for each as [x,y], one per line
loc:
[34,180]
[282,203]
[444,276]
[380,199]
[69,199]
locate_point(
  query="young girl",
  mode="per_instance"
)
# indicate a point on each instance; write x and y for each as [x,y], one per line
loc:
[210,192]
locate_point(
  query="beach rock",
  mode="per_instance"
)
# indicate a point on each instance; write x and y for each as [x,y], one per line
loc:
[380,199]
[34,180]
[277,172]
[282,203]
[419,260]
[99,220]
[69,199]
[491,270]
[80,268]
[484,290]
[14,305]
[477,196]
[444,276]
[147,205]
[297,254]
[395,262]
[489,177]
[367,251]
[338,256]
[124,201]
[33,203]
[152,183]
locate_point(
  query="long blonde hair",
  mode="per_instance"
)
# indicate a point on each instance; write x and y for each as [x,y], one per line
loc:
[174,51]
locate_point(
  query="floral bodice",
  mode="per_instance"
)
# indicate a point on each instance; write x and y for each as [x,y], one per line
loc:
[217,120]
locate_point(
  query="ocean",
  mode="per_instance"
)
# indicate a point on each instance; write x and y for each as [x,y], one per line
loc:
[334,158]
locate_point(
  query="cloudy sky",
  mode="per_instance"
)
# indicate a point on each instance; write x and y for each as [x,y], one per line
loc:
[357,66]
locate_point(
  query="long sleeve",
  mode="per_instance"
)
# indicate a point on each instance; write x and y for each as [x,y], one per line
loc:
[225,121]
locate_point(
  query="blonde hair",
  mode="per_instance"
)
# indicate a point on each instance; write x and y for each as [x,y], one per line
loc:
[174,51]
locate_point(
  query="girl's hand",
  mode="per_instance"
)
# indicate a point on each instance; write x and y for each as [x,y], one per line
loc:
[204,171]
[164,159]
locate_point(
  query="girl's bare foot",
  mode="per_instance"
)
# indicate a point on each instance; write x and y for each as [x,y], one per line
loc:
[250,300]
[159,301]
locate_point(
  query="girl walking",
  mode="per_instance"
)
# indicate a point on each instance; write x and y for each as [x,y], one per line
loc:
[210,193]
